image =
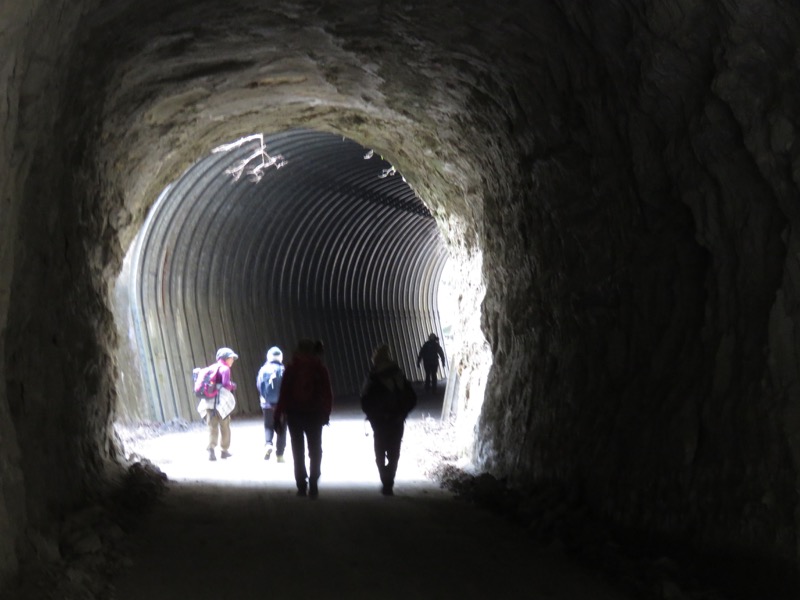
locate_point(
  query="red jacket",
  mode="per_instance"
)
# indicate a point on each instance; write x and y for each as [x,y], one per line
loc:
[306,388]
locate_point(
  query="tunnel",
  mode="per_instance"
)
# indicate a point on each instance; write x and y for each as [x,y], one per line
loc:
[332,245]
[615,185]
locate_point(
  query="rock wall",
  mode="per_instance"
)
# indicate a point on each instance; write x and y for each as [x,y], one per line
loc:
[647,360]
[37,459]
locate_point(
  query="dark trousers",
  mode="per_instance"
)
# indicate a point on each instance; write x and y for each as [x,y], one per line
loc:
[271,431]
[305,428]
[387,437]
[430,375]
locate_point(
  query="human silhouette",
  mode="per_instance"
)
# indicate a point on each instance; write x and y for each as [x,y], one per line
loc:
[429,355]
[386,398]
[305,400]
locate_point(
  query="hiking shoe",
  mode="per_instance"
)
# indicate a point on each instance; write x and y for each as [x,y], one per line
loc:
[211,455]
[225,454]
[268,453]
[279,458]
[313,491]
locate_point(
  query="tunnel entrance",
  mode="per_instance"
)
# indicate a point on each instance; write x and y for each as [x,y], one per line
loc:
[335,245]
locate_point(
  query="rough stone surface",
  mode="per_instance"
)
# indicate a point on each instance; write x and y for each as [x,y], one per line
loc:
[627,174]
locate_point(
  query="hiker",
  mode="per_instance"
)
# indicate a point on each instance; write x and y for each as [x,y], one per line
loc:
[429,355]
[305,401]
[268,382]
[387,398]
[216,410]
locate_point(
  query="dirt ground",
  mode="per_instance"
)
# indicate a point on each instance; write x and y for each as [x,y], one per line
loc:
[175,525]
[235,528]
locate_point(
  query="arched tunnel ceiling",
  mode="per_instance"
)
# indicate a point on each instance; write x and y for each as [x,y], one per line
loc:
[194,75]
[328,246]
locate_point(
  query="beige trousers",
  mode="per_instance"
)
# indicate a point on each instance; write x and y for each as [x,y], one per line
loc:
[218,427]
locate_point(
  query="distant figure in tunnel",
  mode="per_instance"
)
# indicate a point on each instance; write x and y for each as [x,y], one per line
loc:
[429,355]
[218,408]
[268,382]
[387,398]
[305,401]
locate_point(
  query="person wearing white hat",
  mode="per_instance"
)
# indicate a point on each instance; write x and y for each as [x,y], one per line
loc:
[268,382]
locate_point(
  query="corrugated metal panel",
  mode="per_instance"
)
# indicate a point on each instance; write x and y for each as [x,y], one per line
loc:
[322,248]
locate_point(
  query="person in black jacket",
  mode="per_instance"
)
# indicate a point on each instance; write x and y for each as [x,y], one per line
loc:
[429,355]
[387,398]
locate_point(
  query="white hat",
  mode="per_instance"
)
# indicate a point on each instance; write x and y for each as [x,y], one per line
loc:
[275,353]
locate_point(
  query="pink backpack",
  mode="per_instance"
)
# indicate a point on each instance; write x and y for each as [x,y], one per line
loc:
[205,381]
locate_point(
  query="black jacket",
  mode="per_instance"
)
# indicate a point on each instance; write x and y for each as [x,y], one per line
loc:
[387,396]
[430,354]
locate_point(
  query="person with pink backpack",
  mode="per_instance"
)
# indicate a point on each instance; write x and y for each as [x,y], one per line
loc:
[214,387]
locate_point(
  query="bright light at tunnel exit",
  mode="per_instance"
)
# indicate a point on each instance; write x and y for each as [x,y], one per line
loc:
[179,462]
[448,303]
[348,457]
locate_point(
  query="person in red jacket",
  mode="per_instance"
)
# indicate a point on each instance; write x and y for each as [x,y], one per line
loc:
[218,409]
[305,402]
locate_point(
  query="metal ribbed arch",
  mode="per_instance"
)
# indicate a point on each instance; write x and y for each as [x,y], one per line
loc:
[321,248]
[177,321]
[142,341]
[163,265]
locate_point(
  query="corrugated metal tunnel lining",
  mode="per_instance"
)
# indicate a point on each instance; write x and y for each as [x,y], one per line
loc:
[324,248]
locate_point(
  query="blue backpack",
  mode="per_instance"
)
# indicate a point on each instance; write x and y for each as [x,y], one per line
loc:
[270,387]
